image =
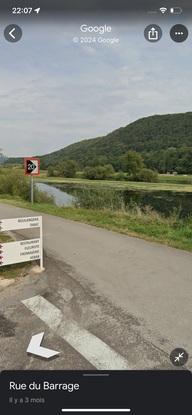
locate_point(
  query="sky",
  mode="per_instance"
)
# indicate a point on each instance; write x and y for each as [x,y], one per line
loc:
[54,92]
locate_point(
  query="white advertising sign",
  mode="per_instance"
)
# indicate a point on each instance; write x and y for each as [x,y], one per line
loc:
[24,250]
[21,251]
[20,223]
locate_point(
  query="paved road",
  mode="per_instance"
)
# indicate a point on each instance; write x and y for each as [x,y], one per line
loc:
[148,285]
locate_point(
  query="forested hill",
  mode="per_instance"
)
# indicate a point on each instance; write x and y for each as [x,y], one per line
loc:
[153,136]
[165,142]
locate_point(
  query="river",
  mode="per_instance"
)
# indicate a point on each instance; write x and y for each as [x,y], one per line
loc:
[61,198]
[165,202]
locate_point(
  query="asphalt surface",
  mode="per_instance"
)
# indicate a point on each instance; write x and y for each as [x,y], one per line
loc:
[133,295]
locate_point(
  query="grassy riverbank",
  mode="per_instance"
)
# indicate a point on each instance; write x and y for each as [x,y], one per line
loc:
[178,183]
[148,225]
[169,184]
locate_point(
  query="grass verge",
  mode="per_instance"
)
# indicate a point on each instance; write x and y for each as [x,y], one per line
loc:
[11,271]
[14,271]
[146,225]
[4,237]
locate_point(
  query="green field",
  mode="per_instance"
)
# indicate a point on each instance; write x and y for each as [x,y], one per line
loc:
[179,179]
[171,184]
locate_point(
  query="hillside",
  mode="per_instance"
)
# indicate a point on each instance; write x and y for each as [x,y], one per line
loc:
[165,142]
[149,136]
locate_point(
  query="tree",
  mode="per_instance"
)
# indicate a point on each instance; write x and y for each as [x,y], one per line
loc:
[146,175]
[89,173]
[97,161]
[184,165]
[99,172]
[50,171]
[109,171]
[132,163]
[68,168]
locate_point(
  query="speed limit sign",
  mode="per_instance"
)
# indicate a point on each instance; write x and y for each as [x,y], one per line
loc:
[32,166]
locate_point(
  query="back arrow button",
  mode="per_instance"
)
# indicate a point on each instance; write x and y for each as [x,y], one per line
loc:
[13,33]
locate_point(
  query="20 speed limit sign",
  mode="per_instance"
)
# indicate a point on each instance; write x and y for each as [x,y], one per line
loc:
[32,166]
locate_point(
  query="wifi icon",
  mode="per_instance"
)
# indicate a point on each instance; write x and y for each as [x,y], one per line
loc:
[163,10]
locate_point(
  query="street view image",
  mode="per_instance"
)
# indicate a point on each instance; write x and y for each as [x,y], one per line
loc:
[95,199]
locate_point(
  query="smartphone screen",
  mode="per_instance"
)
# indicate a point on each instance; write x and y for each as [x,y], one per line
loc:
[96,206]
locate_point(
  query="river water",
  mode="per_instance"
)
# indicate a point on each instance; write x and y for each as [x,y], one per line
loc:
[165,202]
[61,198]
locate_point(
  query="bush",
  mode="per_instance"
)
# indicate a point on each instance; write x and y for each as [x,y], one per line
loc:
[120,176]
[146,175]
[68,168]
[14,183]
[99,172]
[89,173]
[50,171]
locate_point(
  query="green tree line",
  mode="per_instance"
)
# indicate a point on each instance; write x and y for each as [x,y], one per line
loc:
[131,164]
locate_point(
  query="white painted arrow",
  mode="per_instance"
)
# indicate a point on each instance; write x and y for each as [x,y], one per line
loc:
[36,348]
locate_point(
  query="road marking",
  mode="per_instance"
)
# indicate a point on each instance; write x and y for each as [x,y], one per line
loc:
[93,349]
[36,348]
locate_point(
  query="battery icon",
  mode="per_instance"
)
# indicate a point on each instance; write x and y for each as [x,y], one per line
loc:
[176,10]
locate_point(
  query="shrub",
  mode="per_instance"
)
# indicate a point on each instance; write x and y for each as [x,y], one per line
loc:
[50,171]
[89,173]
[14,183]
[120,176]
[68,168]
[99,172]
[146,175]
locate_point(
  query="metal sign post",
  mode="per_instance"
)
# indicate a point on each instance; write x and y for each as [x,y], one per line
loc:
[24,250]
[32,168]
[41,242]
[32,189]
